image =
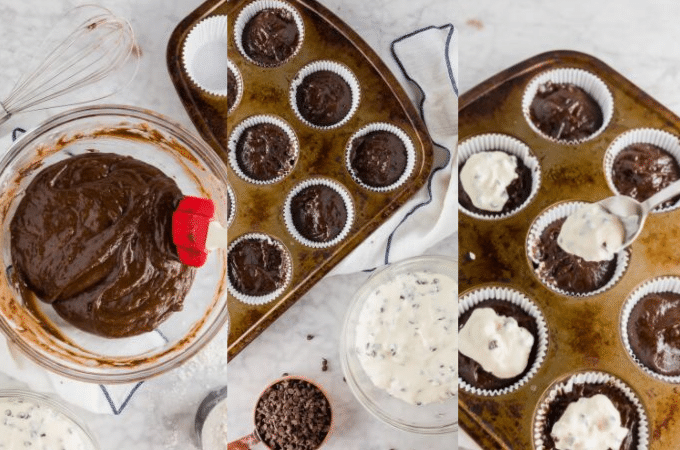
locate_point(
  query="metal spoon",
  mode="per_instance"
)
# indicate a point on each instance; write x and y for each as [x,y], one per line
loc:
[632,213]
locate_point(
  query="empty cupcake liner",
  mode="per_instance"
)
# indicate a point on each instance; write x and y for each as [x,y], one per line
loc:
[509,144]
[473,298]
[239,85]
[590,83]
[262,299]
[334,67]
[204,55]
[349,206]
[242,127]
[660,138]
[232,205]
[550,215]
[589,378]
[250,11]
[653,286]
[410,154]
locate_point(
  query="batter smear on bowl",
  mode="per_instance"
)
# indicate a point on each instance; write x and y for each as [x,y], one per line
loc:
[92,237]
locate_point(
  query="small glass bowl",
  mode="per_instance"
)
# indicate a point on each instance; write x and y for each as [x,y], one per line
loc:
[433,418]
[45,337]
[57,411]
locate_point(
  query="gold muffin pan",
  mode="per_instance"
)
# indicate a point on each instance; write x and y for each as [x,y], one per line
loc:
[583,333]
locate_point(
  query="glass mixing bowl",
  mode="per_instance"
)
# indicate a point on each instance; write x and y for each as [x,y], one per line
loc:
[431,418]
[44,336]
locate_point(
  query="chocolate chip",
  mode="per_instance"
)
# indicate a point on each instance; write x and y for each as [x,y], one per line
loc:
[310,337]
[493,345]
[324,364]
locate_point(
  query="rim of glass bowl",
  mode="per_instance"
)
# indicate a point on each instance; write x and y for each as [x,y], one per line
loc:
[166,359]
[347,344]
[57,405]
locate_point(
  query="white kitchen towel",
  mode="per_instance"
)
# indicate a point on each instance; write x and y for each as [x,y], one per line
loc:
[428,59]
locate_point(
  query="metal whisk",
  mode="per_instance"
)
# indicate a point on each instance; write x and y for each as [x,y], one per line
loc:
[96,43]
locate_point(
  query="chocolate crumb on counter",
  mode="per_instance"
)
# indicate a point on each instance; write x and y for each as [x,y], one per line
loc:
[324,364]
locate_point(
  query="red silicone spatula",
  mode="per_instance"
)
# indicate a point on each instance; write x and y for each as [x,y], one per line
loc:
[194,231]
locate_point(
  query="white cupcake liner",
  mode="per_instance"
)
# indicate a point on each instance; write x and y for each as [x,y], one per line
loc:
[509,144]
[405,139]
[653,286]
[590,83]
[473,298]
[262,299]
[252,121]
[550,215]
[232,205]
[660,138]
[334,67]
[204,55]
[250,11]
[239,85]
[349,206]
[589,378]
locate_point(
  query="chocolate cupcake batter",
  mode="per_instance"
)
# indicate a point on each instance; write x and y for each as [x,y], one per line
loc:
[232,89]
[569,272]
[518,191]
[92,236]
[257,266]
[471,371]
[319,213]
[564,111]
[654,332]
[264,152]
[641,170]
[378,158]
[629,415]
[324,98]
[271,36]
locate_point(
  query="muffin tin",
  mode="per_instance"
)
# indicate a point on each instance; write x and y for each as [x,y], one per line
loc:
[583,332]
[260,208]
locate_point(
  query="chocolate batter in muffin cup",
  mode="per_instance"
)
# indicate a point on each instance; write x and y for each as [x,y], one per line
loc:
[380,157]
[204,56]
[667,171]
[319,212]
[231,205]
[235,91]
[277,29]
[543,421]
[512,146]
[513,297]
[609,273]
[320,115]
[261,264]
[593,87]
[649,321]
[267,162]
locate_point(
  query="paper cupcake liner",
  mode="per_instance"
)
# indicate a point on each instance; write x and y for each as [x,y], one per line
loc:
[204,55]
[239,85]
[473,298]
[349,206]
[405,139]
[488,142]
[232,205]
[663,139]
[552,214]
[243,126]
[334,67]
[653,286]
[262,299]
[250,11]
[590,83]
[589,378]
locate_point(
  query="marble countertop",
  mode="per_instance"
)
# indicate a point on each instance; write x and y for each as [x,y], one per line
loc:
[639,40]
[153,419]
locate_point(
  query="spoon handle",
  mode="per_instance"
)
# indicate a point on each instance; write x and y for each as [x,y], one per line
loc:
[245,442]
[664,194]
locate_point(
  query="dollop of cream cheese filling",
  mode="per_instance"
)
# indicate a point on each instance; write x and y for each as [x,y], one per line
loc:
[591,423]
[486,177]
[592,233]
[496,342]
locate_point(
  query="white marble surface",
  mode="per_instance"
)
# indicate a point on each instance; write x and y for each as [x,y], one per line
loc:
[638,39]
[160,414]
